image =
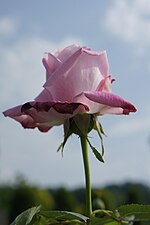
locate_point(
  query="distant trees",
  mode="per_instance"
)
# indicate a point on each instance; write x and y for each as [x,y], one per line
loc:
[26,196]
[17,198]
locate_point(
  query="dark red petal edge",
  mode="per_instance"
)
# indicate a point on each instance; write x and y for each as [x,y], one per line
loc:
[60,107]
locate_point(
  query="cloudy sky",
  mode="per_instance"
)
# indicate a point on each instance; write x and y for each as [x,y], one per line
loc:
[30,28]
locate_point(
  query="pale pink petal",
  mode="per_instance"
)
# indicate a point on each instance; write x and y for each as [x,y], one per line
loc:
[25,120]
[110,99]
[66,53]
[112,110]
[106,84]
[103,61]
[82,72]
[63,69]
[51,63]
[12,112]
[44,96]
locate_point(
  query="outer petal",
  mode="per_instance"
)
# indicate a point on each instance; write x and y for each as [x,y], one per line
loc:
[25,120]
[112,100]
[63,69]
[44,96]
[51,63]
[66,53]
[103,61]
[83,71]
[44,115]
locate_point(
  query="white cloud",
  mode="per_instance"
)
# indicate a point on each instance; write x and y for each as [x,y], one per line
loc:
[7,26]
[130,126]
[133,124]
[129,21]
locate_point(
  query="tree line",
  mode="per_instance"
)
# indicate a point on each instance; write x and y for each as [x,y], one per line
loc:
[18,197]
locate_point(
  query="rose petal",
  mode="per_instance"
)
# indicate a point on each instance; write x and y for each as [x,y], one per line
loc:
[60,107]
[63,69]
[103,61]
[82,72]
[110,99]
[106,84]
[66,53]
[44,96]
[51,63]
[44,115]
[25,120]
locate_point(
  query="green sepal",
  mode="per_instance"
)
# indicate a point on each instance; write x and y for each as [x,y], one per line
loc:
[80,124]
[98,127]
[67,134]
[96,153]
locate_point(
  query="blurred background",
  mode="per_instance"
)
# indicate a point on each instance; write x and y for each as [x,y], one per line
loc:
[30,28]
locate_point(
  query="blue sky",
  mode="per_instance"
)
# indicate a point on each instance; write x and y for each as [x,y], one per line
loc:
[30,28]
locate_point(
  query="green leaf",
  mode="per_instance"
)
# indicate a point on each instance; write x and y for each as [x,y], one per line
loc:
[62,216]
[26,217]
[101,217]
[134,212]
[96,153]
[100,221]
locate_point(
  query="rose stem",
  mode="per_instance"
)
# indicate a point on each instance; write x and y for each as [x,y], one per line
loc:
[84,145]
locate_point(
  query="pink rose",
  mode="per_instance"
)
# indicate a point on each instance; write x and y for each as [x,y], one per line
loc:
[77,82]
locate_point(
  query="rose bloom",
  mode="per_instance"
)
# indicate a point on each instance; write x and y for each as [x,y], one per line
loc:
[77,82]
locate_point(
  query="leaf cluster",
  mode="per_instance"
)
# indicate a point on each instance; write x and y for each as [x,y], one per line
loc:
[126,214]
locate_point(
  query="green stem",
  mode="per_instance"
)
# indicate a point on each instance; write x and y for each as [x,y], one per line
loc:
[84,145]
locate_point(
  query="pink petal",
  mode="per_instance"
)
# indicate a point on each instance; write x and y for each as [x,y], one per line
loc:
[44,96]
[51,63]
[109,99]
[63,69]
[44,115]
[103,61]
[106,84]
[25,120]
[83,71]
[66,53]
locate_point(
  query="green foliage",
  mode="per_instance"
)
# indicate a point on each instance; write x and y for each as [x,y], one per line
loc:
[64,199]
[64,216]
[126,214]
[6,194]
[110,197]
[34,216]
[26,217]
[135,211]
[103,199]
[26,196]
